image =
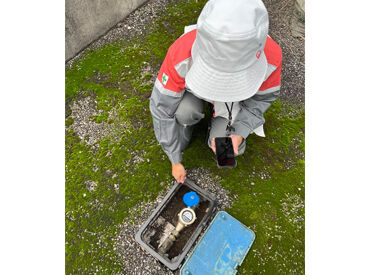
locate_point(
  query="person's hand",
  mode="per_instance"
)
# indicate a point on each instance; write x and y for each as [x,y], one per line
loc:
[236,140]
[178,172]
[213,145]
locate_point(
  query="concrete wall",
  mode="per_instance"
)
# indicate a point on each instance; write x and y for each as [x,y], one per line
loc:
[86,20]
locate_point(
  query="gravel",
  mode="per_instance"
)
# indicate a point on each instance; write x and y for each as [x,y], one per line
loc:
[293,71]
[89,131]
[91,185]
[135,259]
[293,207]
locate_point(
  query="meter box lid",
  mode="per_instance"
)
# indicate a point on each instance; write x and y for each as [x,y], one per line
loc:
[222,248]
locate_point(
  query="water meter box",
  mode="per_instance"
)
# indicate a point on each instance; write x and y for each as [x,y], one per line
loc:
[157,228]
[221,249]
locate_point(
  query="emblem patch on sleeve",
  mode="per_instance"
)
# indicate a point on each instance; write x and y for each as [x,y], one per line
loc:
[165,78]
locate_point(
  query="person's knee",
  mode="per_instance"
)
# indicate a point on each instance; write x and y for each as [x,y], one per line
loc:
[190,110]
[188,118]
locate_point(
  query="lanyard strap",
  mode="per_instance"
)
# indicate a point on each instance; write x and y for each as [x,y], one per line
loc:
[229,127]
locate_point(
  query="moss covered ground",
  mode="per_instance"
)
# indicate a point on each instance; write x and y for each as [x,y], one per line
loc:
[127,166]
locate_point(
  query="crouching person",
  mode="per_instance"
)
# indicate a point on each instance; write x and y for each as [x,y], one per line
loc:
[228,60]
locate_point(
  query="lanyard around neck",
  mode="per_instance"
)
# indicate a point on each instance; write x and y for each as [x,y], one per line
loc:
[229,127]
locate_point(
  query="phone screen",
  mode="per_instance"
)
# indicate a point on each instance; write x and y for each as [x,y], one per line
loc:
[225,152]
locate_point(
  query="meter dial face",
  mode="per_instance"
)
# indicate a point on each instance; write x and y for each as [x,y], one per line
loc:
[187,216]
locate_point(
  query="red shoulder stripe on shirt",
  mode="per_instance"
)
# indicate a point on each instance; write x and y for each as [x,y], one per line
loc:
[274,57]
[177,52]
[272,52]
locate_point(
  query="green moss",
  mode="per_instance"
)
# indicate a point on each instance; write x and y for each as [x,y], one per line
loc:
[100,118]
[128,171]
[69,121]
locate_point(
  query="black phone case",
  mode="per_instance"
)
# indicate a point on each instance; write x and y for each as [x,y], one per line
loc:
[221,143]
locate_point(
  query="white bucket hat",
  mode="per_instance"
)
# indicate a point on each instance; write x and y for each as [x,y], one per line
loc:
[228,59]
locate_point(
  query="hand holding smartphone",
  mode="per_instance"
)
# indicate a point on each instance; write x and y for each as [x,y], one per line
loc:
[225,152]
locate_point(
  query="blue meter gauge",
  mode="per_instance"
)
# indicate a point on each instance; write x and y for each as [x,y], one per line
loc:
[191,199]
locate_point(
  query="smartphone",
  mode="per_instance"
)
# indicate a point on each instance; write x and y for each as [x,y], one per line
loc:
[225,152]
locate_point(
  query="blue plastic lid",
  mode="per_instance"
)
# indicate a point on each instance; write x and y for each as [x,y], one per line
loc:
[222,248]
[191,199]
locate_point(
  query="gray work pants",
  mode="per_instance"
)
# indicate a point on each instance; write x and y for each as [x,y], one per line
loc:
[190,112]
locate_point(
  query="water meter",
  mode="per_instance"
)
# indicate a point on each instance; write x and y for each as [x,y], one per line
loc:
[187,216]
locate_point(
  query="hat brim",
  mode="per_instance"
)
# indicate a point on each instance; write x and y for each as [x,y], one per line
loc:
[210,84]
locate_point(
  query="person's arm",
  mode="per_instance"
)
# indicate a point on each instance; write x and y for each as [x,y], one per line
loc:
[163,108]
[250,116]
[166,128]
[167,93]
[166,96]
